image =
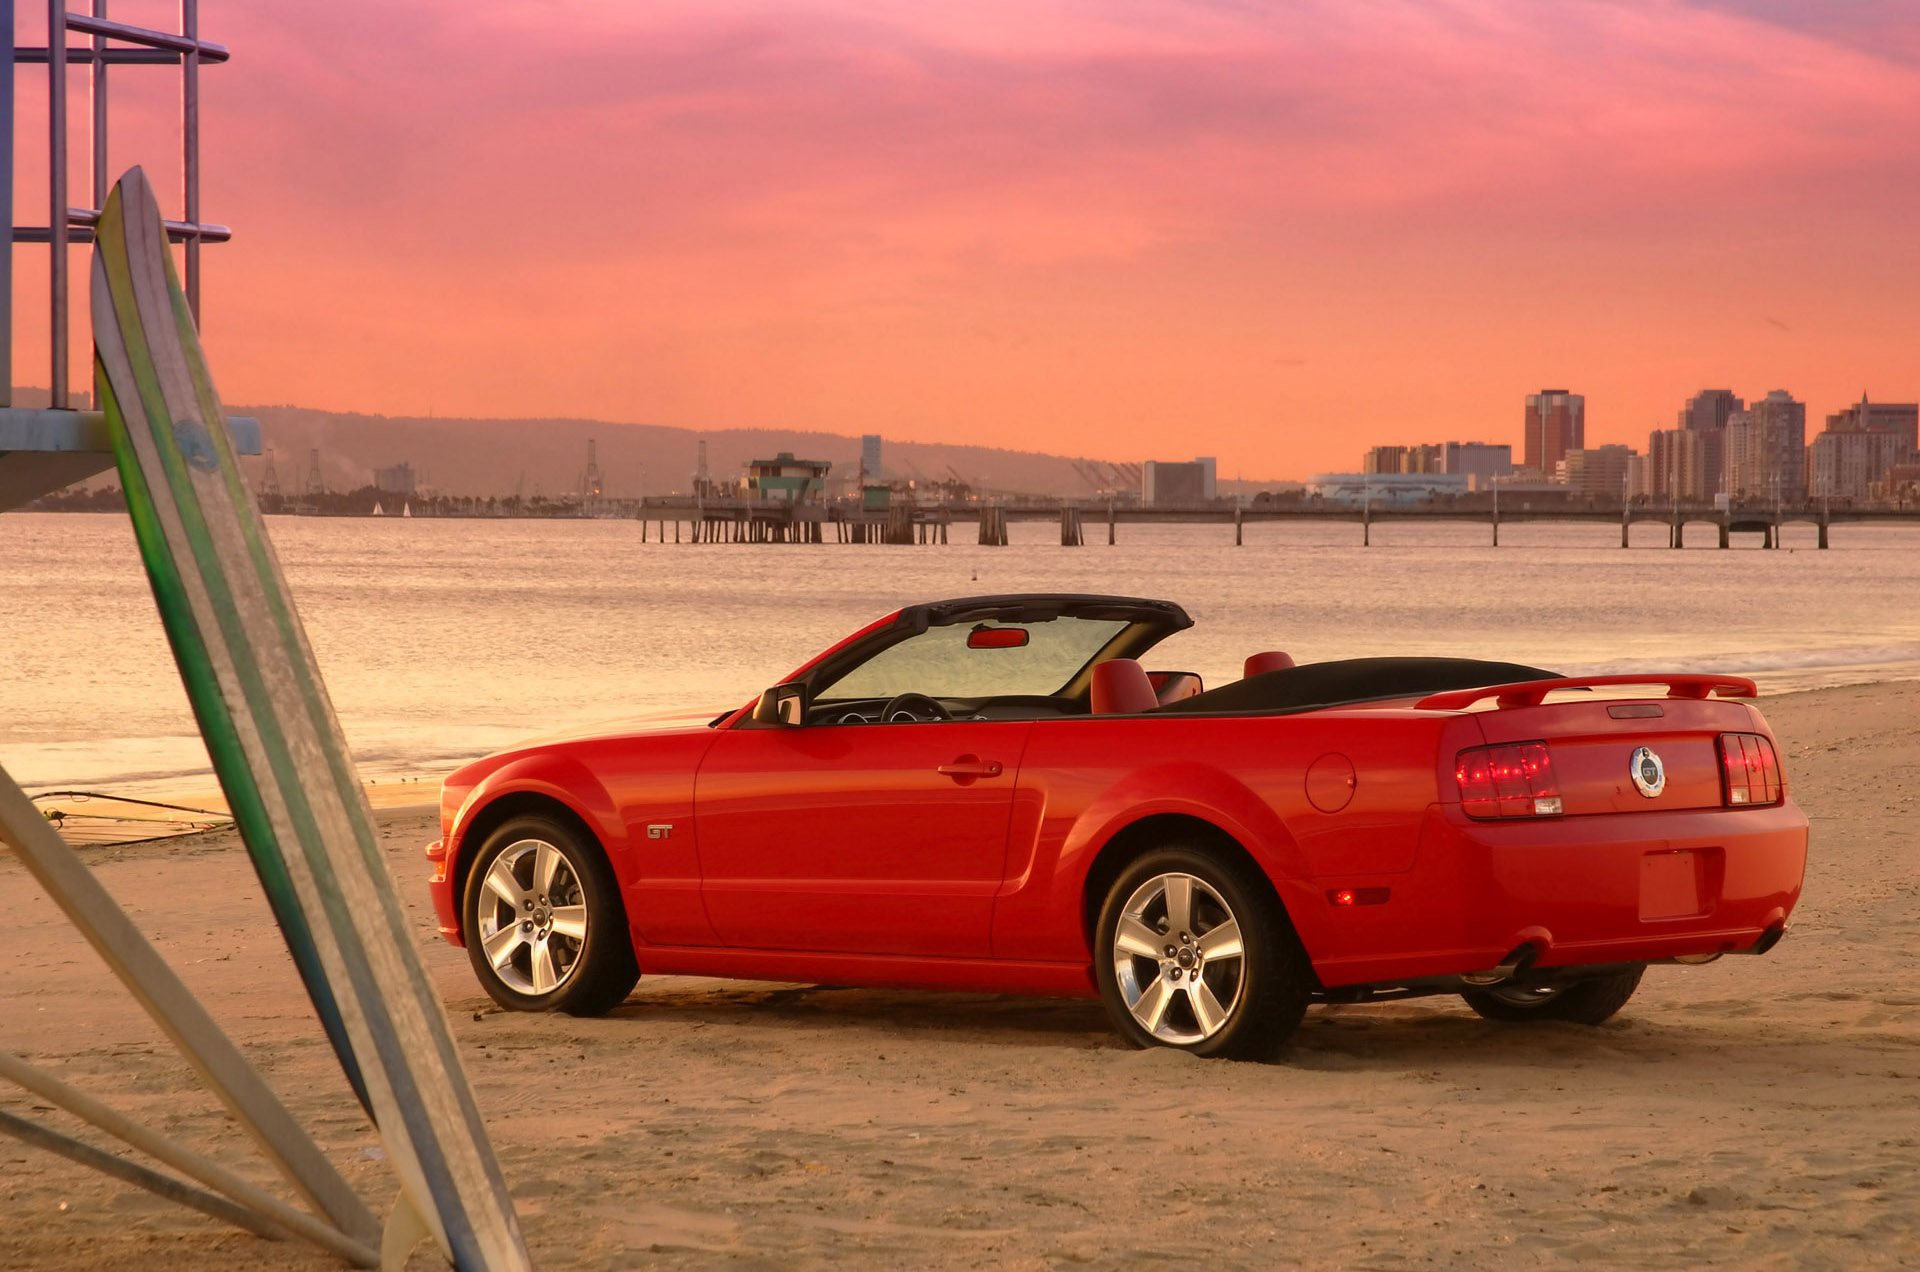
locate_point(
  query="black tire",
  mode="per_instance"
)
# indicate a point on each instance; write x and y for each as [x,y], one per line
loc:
[586,975]
[1585,1002]
[1255,999]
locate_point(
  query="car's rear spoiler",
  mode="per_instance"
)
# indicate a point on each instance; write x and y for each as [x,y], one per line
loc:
[1532,693]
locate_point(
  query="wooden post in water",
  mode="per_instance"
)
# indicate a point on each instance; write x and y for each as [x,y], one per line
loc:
[1109,523]
[1236,525]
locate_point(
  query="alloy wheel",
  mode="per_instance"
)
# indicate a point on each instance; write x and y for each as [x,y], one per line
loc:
[532,917]
[1178,958]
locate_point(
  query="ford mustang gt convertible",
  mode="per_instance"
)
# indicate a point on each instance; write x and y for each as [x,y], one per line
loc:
[996,793]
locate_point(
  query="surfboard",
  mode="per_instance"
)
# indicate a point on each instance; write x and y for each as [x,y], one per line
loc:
[277,747]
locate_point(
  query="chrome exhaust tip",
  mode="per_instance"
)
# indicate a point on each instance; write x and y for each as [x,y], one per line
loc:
[1510,967]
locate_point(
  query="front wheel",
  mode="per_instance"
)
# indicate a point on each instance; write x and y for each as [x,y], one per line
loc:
[1196,954]
[545,927]
[1585,1002]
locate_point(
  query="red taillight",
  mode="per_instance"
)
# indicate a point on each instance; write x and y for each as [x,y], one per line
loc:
[1749,770]
[1515,780]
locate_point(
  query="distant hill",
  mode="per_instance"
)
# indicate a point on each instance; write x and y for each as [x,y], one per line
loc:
[496,457]
[548,456]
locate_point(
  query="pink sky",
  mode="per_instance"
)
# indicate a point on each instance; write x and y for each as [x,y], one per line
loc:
[1274,233]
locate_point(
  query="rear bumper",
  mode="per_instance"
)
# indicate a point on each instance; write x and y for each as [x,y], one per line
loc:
[1579,891]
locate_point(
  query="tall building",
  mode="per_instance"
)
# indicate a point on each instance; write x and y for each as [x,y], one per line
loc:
[1844,464]
[870,469]
[1404,459]
[1600,473]
[1681,465]
[1556,424]
[1480,462]
[1165,483]
[1861,444]
[1384,459]
[1902,419]
[1767,450]
[1707,414]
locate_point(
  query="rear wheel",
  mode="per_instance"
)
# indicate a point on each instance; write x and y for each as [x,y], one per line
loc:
[545,927]
[1585,1002]
[1194,954]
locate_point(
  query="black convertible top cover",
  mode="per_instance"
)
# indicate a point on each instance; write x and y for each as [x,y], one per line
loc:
[1328,684]
[1043,607]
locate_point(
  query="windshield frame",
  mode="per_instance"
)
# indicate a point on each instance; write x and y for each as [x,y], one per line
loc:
[1148,623]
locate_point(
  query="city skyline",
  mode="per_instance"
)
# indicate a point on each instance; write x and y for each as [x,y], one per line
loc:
[1721,445]
[1037,224]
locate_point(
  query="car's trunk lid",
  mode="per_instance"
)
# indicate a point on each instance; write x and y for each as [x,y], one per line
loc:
[1615,755]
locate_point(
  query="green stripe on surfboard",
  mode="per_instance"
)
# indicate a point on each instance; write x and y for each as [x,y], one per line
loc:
[275,743]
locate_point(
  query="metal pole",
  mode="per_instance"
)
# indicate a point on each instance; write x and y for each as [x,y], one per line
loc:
[190,150]
[189,1163]
[6,198]
[97,88]
[134,1173]
[155,986]
[57,194]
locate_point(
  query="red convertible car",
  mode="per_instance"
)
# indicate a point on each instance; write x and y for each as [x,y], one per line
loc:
[994,793]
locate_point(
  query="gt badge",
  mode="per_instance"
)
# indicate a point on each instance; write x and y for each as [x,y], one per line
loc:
[663,830]
[1648,773]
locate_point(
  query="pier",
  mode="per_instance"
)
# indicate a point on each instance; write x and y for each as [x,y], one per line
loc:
[748,521]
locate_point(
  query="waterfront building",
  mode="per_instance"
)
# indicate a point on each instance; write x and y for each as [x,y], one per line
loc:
[1706,415]
[870,467]
[786,480]
[1639,478]
[1766,450]
[1597,473]
[1842,463]
[1902,419]
[1681,464]
[1403,459]
[1860,444]
[1169,483]
[1384,459]
[1556,423]
[1479,462]
[1356,489]
[1901,485]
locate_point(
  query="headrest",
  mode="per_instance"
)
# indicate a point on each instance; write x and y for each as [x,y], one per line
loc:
[1272,660]
[1121,687]
[1172,686]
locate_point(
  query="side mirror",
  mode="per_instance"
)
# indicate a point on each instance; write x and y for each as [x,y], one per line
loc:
[783,704]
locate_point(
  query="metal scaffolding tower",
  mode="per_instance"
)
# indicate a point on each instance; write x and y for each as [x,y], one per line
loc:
[43,450]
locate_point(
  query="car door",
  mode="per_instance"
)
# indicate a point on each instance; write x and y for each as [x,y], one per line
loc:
[857,838]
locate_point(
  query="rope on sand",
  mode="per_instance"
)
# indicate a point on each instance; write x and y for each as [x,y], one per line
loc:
[125,827]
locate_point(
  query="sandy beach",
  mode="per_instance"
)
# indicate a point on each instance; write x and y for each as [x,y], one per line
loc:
[1753,1113]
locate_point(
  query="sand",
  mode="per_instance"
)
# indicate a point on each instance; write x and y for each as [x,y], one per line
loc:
[1757,1112]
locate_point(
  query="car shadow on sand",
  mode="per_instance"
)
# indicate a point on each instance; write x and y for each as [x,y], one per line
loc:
[1419,1033]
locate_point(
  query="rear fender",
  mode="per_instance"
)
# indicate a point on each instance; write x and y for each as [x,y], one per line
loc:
[1205,794]
[1189,789]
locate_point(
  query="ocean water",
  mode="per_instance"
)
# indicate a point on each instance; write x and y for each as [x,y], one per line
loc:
[442,640]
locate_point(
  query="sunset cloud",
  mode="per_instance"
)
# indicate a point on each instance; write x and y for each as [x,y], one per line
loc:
[1081,226]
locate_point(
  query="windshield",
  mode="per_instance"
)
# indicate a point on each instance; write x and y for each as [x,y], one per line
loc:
[940,663]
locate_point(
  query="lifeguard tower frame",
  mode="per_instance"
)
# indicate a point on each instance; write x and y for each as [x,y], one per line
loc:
[42,450]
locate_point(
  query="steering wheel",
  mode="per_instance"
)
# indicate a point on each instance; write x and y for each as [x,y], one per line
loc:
[913,707]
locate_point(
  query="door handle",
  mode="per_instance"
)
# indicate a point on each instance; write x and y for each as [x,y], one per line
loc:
[967,767]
